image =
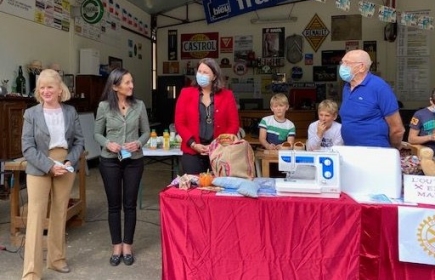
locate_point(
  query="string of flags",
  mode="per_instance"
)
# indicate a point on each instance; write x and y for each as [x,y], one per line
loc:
[388,14]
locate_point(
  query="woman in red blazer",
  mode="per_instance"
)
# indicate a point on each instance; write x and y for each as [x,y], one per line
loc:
[203,112]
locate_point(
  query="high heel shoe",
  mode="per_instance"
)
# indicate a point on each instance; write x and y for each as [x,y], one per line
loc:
[115,260]
[128,259]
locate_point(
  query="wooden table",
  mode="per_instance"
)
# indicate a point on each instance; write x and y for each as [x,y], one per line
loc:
[263,159]
[76,208]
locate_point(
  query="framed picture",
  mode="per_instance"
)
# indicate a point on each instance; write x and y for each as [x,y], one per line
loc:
[114,62]
[325,73]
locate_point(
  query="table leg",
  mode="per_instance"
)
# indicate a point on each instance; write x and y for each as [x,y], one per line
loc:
[258,167]
[15,201]
[265,167]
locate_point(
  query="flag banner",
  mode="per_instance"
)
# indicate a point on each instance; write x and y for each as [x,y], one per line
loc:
[417,235]
[217,10]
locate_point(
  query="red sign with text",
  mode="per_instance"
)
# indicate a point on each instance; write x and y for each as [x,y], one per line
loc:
[199,45]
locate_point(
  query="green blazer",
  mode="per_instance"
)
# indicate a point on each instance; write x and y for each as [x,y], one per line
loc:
[112,126]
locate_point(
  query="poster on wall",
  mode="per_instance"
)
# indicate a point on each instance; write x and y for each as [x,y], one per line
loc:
[172,44]
[273,42]
[324,73]
[371,48]
[346,27]
[55,14]
[243,46]
[199,45]
[332,57]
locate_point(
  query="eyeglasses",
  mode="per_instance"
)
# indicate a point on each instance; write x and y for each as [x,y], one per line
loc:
[349,62]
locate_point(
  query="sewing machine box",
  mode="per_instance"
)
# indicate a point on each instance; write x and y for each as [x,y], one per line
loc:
[370,170]
[309,174]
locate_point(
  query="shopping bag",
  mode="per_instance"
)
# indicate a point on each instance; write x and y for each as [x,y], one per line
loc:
[230,156]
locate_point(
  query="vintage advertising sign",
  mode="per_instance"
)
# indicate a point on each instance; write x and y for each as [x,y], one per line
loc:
[217,10]
[315,32]
[199,45]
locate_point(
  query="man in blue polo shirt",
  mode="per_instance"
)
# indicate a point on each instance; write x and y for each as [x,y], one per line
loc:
[369,111]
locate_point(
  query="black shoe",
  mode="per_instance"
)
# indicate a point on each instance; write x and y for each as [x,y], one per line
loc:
[115,260]
[128,259]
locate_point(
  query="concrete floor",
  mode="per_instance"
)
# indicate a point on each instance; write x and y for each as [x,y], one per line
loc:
[89,246]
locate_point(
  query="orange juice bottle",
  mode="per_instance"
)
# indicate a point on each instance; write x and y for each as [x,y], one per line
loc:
[166,142]
[153,140]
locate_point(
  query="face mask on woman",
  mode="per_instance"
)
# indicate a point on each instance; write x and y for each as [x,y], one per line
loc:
[345,72]
[202,80]
[432,109]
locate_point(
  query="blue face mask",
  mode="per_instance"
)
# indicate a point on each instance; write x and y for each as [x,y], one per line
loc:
[202,80]
[345,73]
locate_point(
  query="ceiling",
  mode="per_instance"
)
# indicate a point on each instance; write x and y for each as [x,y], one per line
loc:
[153,7]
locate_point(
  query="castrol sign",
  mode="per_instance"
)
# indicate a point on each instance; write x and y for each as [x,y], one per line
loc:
[200,45]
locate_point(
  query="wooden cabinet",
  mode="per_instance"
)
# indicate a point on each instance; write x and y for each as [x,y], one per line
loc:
[300,118]
[11,125]
[91,87]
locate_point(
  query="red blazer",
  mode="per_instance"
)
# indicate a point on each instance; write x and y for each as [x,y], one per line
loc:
[226,116]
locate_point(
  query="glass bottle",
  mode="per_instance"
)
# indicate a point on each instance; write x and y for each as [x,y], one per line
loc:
[166,142]
[21,82]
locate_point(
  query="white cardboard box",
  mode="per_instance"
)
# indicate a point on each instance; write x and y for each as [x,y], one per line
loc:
[370,170]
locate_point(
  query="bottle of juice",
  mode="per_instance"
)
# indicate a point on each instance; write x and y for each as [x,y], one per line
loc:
[166,142]
[153,140]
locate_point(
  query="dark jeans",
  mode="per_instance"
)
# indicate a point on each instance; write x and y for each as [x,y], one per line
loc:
[195,164]
[121,182]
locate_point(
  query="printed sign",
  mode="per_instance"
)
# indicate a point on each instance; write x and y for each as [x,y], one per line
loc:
[417,235]
[199,45]
[419,189]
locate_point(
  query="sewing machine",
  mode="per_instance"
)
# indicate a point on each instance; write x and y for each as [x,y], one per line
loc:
[313,174]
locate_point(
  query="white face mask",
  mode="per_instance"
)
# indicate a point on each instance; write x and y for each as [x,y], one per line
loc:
[432,109]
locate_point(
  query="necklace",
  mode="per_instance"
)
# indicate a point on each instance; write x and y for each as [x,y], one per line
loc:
[208,118]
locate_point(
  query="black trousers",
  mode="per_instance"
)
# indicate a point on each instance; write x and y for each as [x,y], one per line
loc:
[195,164]
[121,182]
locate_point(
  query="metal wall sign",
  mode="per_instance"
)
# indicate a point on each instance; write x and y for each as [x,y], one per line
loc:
[315,32]
[200,45]
[92,11]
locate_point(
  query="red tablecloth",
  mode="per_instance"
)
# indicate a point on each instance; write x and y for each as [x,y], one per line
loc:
[205,236]
[379,247]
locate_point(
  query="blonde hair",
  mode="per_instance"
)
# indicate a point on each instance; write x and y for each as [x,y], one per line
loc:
[329,106]
[53,77]
[280,99]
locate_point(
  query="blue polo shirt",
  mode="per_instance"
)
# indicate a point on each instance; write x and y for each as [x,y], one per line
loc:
[363,112]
